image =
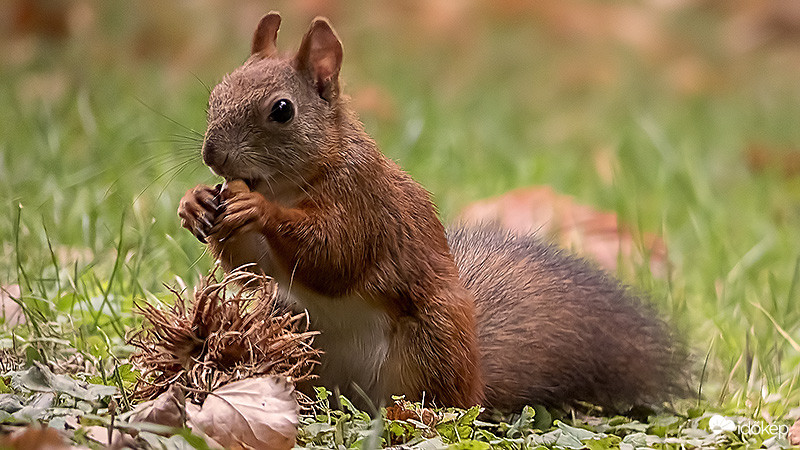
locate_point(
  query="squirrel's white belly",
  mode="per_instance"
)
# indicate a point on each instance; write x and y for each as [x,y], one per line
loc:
[355,336]
[354,333]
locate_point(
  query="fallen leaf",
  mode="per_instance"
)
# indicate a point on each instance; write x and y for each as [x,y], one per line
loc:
[637,26]
[446,19]
[794,433]
[761,158]
[691,75]
[404,410]
[34,438]
[374,100]
[10,403]
[756,24]
[167,409]
[255,412]
[597,235]
[39,378]
[99,434]
[605,164]
[36,17]
[36,408]
[10,309]
[43,87]
[310,8]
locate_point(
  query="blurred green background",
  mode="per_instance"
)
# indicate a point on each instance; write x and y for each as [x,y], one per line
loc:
[679,115]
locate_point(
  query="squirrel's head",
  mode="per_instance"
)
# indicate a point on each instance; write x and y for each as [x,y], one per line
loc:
[271,119]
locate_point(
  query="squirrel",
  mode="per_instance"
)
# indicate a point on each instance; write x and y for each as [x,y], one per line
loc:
[456,317]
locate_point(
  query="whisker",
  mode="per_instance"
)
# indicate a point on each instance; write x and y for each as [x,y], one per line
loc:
[172,178]
[264,160]
[181,156]
[203,83]
[178,168]
[269,185]
[176,140]
[151,162]
[191,151]
[190,137]
[195,132]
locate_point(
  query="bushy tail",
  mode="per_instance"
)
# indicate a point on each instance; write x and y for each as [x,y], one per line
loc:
[553,329]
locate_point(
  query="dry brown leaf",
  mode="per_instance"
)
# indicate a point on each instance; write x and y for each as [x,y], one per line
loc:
[192,409]
[761,158]
[605,164]
[311,8]
[423,419]
[251,413]
[756,24]
[446,19]
[167,409]
[403,410]
[794,433]
[10,310]
[374,100]
[48,87]
[638,26]
[691,75]
[36,17]
[100,434]
[595,234]
[94,432]
[34,438]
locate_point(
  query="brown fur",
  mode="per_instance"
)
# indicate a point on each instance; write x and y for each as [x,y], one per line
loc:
[340,219]
[553,328]
[314,203]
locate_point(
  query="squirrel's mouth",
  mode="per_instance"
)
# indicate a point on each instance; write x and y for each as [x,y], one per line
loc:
[250,182]
[255,184]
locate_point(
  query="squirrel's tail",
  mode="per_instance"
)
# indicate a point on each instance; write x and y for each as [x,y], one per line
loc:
[553,329]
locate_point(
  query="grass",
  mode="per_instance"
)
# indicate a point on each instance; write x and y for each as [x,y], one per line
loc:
[102,132]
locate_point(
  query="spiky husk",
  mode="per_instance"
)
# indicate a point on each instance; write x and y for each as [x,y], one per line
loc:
[230,330]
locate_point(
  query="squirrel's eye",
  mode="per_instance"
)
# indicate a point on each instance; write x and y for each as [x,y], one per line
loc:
[282,111]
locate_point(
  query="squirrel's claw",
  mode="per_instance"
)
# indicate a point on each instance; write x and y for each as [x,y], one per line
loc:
[199,209]
[200,235]
[206,221]
[242,211]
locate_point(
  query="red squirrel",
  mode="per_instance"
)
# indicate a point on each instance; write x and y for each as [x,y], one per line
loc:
[459,318]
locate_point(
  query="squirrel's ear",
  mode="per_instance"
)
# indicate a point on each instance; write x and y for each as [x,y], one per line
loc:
[320,56]
[265,36]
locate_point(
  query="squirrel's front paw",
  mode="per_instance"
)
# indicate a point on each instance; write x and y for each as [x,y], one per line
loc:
[199,210]
[240,211]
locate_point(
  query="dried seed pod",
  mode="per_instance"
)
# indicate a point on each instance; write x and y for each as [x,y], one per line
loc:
[230,330]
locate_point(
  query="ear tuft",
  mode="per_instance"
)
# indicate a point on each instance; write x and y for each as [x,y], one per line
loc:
[266,35]
[320,56]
